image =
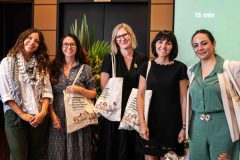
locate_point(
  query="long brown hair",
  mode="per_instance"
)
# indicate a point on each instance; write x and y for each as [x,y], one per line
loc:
[43,62]
[59,61]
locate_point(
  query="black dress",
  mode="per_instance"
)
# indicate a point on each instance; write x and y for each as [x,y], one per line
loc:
[165,119]
[115,144]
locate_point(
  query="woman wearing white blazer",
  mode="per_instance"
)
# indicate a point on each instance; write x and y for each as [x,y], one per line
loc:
[213,106]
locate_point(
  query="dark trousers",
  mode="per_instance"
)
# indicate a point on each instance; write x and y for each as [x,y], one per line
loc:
[25,142]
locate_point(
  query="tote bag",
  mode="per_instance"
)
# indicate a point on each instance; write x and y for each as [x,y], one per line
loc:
[109,102]
[230,78]
[79,109]
[130,120]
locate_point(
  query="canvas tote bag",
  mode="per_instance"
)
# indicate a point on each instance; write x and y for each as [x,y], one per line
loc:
[130,120]
[79,109]
[109,102]
[233,94]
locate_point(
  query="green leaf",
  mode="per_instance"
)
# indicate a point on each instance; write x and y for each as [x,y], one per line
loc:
[95,49]
[92,39]
[74,28]
[85,34]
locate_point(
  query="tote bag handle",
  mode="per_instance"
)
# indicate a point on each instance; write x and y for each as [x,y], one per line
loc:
[113,65]
[78,74]
[148,68]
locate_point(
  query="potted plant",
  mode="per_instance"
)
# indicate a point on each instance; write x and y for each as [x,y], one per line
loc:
[94,50]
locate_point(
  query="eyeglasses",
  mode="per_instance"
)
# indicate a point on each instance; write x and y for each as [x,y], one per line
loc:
[124,36]
[65,45]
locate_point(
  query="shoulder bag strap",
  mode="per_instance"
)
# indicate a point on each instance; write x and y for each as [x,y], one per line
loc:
[148,69]
[78,74]
[113,64]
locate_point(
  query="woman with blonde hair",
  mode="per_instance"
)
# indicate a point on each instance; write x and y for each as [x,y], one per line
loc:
[115,143]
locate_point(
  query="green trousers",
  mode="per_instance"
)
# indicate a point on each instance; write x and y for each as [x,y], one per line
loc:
[210,140]
[25,142]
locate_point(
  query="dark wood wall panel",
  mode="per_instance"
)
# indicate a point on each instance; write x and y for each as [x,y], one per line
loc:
[1,56]
[16,1]
[94,14]
[105,16]
[125,1]
[18,18]
[1,31]
[134,14]
[15,18]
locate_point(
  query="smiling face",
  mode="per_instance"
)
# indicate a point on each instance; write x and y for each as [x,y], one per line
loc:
[31,43]
[69,47]
[203,47]
[123,39]
[163,48]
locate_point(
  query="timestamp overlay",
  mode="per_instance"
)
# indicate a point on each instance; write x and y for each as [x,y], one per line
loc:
[220,17]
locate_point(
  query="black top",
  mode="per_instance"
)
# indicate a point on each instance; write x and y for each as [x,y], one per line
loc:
[115,144]
[130,76]
[165,119]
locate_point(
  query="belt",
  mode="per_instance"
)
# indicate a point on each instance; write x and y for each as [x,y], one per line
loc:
[209,116]
[205,117]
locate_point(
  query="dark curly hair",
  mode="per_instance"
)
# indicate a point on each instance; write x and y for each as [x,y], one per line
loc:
[59,61]
[43,61]
[168,36]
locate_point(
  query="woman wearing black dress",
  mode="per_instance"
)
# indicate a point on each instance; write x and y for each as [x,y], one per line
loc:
[115,144]
[167,78]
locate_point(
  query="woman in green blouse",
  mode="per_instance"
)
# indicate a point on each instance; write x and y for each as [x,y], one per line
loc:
[209,130]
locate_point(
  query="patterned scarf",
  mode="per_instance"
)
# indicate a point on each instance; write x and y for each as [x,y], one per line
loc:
[28,71]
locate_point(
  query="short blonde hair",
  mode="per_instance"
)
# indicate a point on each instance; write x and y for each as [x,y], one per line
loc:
[114,45]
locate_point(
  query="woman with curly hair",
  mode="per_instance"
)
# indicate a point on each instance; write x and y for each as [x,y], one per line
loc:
[26,92]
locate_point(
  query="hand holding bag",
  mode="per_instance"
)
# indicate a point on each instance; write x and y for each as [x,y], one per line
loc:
[130,118]
[109,102]
[79,109]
